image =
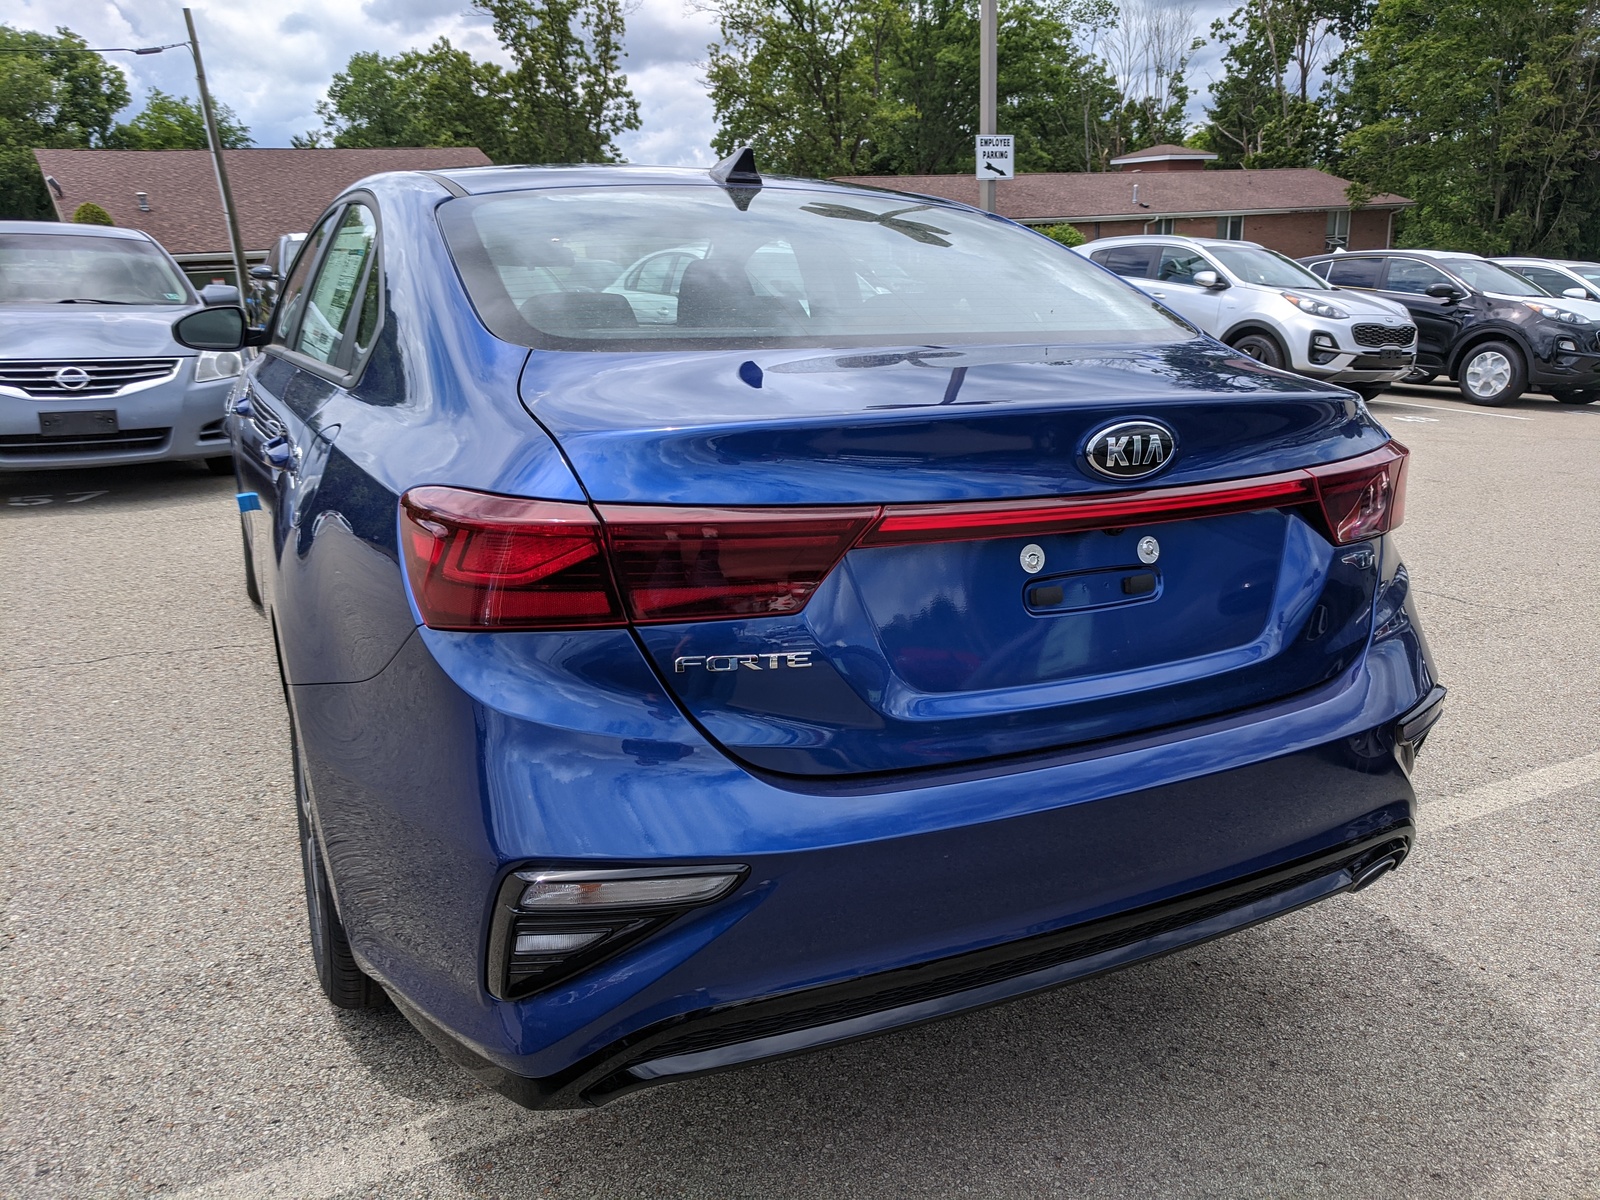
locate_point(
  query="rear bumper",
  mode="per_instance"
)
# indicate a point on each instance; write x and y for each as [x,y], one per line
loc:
[716,1038]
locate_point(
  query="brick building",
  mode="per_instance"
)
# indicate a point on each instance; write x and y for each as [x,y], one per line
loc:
[1166,189]
[172,194]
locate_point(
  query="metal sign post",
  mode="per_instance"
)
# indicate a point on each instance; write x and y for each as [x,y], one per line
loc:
[988,21]
[235,242]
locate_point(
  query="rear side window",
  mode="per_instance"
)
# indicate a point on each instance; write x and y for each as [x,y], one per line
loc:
[1352,272]
[1131,262]
[1413,277]
[337,286]
[1179,265]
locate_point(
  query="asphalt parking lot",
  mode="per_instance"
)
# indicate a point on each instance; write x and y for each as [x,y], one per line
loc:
[1435,1036]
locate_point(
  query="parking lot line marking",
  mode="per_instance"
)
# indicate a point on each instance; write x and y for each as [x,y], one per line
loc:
[1492,797]
[443,1133]
[363,1161]
[1476,412]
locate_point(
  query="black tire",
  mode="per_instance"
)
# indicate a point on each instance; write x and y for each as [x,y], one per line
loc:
[1369,391]
[1491,374]
[1419,376]
[220,466]
[1576,397]
[1262,347]
[251,588]
[344,983]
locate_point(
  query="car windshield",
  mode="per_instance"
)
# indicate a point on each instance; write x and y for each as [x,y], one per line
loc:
[1590,271]
[1492,277]
[677,267]
[1254,264]
[44,268]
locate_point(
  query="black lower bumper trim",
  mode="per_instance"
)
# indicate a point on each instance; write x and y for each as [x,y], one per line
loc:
[610,1072]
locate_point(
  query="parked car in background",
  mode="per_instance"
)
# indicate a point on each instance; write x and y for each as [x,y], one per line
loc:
[89,372]
[1559,277]
[1479,323]
[671,695]
[1269,307]
[267,277]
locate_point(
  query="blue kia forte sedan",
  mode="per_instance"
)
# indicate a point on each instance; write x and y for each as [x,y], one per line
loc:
[722,616]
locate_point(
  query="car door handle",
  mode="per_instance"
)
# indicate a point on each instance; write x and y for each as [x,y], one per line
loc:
[277,452]
[1159,295]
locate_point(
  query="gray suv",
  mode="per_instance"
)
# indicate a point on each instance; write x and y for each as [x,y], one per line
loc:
[89,373]
[1269,307]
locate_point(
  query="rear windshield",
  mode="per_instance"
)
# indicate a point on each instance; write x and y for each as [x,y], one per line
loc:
[43,268]
[662,267]
[1255,264]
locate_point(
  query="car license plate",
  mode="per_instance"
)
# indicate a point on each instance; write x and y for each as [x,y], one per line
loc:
[77,424]
[1391,354]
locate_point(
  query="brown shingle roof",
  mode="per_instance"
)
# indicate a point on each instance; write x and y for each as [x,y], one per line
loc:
[1165,150]
[1108,196]
[276,191]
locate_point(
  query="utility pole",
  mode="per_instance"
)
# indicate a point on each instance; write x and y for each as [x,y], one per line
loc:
[234,240]
[988,20]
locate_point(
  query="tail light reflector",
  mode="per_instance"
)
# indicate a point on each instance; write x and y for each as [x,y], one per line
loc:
[495,562]
[1363,497]
[478,561]
[685,564]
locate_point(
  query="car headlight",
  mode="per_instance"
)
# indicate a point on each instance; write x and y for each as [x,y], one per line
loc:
[1565,316]
[217,364]
[1317,308]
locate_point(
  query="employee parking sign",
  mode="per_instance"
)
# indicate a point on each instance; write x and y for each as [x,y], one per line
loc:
[995,158]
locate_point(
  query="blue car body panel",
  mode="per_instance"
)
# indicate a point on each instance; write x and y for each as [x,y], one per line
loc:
[955,775]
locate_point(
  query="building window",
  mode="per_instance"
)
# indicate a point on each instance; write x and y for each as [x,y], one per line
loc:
[1231,228]
[1338,236]
[1165,225]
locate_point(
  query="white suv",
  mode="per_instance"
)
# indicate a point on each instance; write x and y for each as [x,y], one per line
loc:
[1269,307]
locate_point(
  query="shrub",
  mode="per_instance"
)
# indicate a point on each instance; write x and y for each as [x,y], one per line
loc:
[89,213]
[1067,235]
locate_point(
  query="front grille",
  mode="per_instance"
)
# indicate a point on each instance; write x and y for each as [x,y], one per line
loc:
[1385,335]
[68,379]
[33,445]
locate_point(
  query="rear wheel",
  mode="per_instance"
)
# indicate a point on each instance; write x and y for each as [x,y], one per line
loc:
[1261,347]
[1492,373]
[1576,397]
[220,466]
[344,983]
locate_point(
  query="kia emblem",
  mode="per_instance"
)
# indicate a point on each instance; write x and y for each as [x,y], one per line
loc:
[1131,449]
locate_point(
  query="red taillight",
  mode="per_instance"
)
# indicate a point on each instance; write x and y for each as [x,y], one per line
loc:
[495,562]
[685,564]
[1363,497]
[911,523]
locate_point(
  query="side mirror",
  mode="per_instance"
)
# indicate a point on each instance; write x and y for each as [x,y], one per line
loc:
[1575,293]
[262,271]
[1210,280]
[221,328]
[1447,292]
[217,294]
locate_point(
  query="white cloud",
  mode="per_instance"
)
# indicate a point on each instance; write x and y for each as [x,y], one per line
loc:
[272,69]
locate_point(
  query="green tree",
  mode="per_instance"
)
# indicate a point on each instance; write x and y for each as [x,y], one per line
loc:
[440,96]
[1270,108]
[90,213]
[1487,114]
[174,123]
[1147,44]
[52,95]
[569,99]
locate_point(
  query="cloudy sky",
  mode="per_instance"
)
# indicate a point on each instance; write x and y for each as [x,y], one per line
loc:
[271,61]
